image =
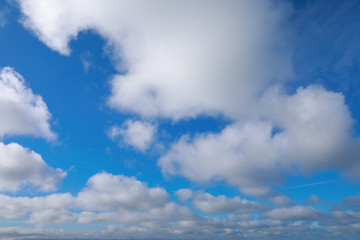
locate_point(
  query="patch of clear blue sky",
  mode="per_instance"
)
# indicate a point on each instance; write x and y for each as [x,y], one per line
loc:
[326,52]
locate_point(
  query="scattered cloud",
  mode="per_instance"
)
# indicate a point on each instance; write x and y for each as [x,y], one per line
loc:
[163,218]
[21,167]
[305,131]
[207,203]
[281,200]
[352,202]
[184,194]
[219,55]
[312,200]
[228,59]
[105,192]
[295,213]
[137,134]
[22,112]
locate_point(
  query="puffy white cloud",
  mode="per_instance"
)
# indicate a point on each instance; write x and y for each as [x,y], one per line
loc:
[155,218]
[281,200]
[184,194]
[306,130]
[22,112]
[105,192]
[21,167]
[51,215]
[207,203]
[182,58]
[313,199]
[137,134]
[295,213]
[231,155]
[316,124]
[15,207]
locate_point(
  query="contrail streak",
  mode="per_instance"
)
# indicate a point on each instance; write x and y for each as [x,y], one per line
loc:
[311,184]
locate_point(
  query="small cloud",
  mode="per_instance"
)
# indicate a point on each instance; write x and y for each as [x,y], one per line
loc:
[184,194]
[295,213]
[313,199]
[86,60]
[137,134]
[3,17]
[281,200]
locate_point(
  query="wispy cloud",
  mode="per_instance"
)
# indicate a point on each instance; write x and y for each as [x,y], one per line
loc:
[311,184]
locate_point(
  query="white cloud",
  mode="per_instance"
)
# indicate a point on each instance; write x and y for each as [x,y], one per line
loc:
[184,194]
[114,192]
[231,155]
[305,130]
[50,215]
[21,167]
[166,220]
[316,124]
[22,112]
[312,200]
[295,213]
[137,134]
[281,200]
[207,203]
[182,58]
[16,207]
[155,218]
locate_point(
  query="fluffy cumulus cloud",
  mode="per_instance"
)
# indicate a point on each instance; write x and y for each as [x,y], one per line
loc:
[306,130]
[295,213]
[179,60]
[41,209]
[207,203]
[139,135]
[22,112]
[110,192]
[165,219]
[217,58]
[316,124]
[281,200]
[21,167]
[184,194]
[231,155]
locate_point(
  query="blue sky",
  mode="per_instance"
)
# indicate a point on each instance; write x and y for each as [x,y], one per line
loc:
[179,120]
